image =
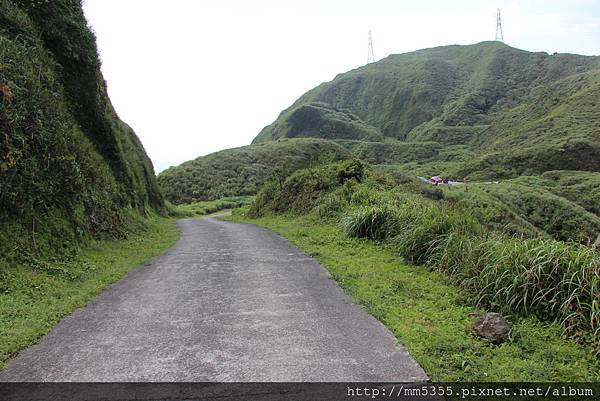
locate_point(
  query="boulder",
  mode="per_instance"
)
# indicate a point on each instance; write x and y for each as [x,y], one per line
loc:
[492,326]
[598,242]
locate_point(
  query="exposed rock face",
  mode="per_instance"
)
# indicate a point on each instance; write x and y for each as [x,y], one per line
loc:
[492,326]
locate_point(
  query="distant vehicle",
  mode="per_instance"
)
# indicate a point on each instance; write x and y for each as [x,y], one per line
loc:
[436,180]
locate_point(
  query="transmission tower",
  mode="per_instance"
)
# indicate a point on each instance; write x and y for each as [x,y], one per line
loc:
[499,34]
[371,55]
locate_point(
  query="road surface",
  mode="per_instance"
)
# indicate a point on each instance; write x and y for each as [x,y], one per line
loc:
[229,302]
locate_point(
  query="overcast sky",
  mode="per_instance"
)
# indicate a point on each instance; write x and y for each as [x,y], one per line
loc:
[193,76]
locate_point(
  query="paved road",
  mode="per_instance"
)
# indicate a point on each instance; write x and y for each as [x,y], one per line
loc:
[229,302]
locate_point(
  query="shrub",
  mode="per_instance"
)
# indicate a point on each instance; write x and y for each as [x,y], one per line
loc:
[207,207]
[375,222]
[550,279]
[299,193]
[431,192]
[350,169]
[243,171]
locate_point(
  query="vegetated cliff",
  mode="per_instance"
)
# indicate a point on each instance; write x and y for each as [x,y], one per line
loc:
[506,111]
[69,167]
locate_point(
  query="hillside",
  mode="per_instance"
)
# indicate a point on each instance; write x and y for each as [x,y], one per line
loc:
[481,113]
[558,128]
[69,167]
[486,100]
[242,171]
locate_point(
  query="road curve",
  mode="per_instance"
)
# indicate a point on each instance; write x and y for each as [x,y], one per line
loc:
[228,302]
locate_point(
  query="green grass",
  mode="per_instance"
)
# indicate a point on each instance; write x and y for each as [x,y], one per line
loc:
[203,208]
[316,119]
[430,316]
[36,296]
[533,206]
[534,275]
[242,171]
[392,151]
[478,112]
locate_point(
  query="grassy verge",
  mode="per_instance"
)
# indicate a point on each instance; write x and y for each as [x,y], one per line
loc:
[34,298]
[428,315]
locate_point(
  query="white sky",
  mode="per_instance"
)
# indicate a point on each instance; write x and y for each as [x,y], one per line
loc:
[193,77]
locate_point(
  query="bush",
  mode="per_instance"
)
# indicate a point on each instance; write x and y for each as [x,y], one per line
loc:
[350,169]
[302,191]
[375,222]
[243,171]
[550,279]
[331,205]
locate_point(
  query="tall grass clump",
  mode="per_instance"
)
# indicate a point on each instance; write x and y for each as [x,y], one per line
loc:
[422,229]
[516,275]
[552,280]
[375,222]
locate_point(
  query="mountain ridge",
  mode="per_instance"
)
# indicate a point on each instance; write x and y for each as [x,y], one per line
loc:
[453,95]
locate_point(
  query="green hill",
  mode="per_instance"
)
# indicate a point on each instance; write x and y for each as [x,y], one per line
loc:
[242,171]
[558,128]
[506,111]
[69,167]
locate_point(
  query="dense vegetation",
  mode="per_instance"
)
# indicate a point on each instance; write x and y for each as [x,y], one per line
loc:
[497,268]
[497,112]
[392,152]
[69,168]
[242,171]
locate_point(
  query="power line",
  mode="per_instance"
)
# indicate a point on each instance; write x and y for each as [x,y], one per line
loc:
[371,54]
[499,34]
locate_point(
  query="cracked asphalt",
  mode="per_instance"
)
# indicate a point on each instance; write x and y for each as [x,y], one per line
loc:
[228,302]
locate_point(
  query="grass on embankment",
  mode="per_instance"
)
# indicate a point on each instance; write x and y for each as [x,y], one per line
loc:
[428,315]
[205,208]
[34,298]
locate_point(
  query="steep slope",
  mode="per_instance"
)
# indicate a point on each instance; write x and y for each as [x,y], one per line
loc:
[488,96]
[69,167]
[242,171]
[558,128]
